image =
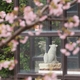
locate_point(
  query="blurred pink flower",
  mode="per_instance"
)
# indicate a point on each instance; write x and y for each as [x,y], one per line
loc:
[66,6]
[56,11]
[52,76]
[6,64]
[1,20]
[13,49]
[14,45]
[38,32]
[72,33]
[70,46]
[76,50]
[78,41]
[28,78]
[65,52]
[16,8]
[78,1]
[24,40]
[2,14]
[10,17]
[29,15]
[8,1]
[63,35]
[9,28]
[12,64]
[22,23]
[55,8]
[76,20]
[68,25]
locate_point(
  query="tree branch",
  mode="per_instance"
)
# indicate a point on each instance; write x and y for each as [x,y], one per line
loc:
[20,30]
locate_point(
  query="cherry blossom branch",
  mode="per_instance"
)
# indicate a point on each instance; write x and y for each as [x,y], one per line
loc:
[19,31]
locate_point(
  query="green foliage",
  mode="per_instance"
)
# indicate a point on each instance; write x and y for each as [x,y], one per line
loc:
[24,56]
[5,73]
[5,53]
[5,6]
[43,1]
[24,61]
[23,3]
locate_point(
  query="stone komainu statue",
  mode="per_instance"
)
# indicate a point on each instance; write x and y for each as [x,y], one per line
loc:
[50,57]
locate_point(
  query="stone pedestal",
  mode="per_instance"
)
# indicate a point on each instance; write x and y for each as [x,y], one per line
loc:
[49,66]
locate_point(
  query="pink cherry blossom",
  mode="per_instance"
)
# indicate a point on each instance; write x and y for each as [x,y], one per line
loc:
[9,28]
[50,77]
[56,11]
[1,20]
[14,45]
[76,20]
[24,40]
[78,41]
[2,14]
[10,17]
[29,15]
[28,78]
[63,51]
[73,23]
[67,53]
[11,67]
[5,29]
[62,35]
[70,46]
[66,6]
[22,23]
[76,50]
[38,32]
[55,8]
[16,8]
[6,64]
[12,64]
[13,49]
[75,17]
[72,33]
[68,25]
[78,1]
[8,1]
